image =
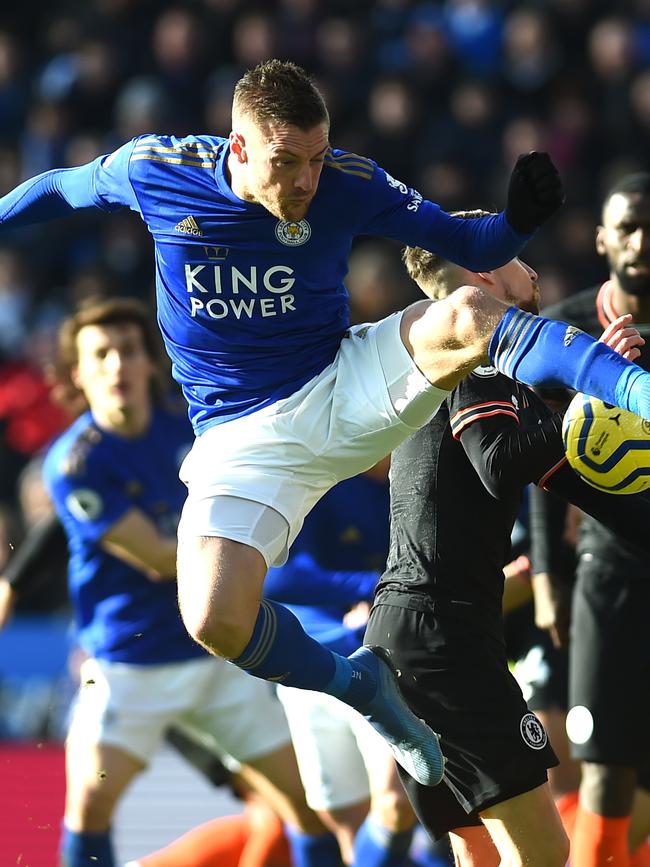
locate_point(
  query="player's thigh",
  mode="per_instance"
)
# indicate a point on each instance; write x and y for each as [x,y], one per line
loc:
[331,766]
[219,583]
[528,830]
[447,339]
[96,777]
[127,706]
[609,665]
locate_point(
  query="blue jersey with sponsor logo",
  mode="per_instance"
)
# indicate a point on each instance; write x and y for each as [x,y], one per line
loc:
[335,561]
[252,307]
[95,478]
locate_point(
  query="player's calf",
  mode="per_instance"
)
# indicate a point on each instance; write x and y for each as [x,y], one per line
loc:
[539,351]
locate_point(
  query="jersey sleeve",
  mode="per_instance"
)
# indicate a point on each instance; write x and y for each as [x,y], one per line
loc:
[394,210]
[103,183]
[548,512]
[506,455]
[628,517]
[89,499]
[44,543]
[302,581]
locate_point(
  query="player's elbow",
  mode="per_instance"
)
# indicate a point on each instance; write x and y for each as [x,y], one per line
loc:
[161,566]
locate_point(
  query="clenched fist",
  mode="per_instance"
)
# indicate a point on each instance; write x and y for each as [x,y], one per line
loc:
[535,192]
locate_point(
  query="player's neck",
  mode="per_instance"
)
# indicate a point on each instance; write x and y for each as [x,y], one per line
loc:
[235,178]
[130,422]
[624,302]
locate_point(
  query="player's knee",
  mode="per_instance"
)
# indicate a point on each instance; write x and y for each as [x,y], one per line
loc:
[448,324]
[607,790]
[473,314]
[393,810]
[448,338]
[550,851]
[219,633]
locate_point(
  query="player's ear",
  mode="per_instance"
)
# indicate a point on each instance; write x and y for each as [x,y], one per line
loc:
[238,146]
[75,378]
[486,276]
[601,249]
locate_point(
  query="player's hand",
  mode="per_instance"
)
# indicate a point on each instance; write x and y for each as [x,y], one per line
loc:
[357,616]
[552,607]
[516,586]
[535,192]
[6,601]
[623,337]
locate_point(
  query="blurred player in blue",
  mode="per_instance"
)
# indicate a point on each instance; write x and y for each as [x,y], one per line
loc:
[113,477]
[252,235]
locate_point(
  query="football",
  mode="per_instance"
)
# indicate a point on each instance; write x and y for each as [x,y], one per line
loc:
[607,446]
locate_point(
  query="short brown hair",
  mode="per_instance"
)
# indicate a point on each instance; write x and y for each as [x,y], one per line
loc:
[281,92]
[111,311]
[431,271]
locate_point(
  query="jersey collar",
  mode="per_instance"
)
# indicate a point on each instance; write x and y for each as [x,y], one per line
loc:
[607,313]
[221,180]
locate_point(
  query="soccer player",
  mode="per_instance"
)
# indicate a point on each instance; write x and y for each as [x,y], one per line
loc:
[609,653]
[113,477]
[456,487]
[347,770]
[251,237]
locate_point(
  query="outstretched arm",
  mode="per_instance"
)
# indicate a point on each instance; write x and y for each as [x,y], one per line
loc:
[103,183]
[45,543]
[53,194]
[302,581]
[627,516]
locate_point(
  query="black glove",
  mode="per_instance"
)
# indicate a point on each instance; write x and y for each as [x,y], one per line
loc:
[535,192]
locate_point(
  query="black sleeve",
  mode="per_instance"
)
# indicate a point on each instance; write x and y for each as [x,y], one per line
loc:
[627,516]
[44,544]
[505,453]
[548,551]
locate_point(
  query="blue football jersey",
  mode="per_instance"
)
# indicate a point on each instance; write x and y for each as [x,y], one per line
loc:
[94,478]
[252,307]
[335,561]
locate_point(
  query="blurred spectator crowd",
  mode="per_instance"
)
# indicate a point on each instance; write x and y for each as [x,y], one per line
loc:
[444,95]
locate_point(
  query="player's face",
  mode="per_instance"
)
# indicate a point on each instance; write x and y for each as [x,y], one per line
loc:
[283,166]
[624,238]
[114,370]
[516,284]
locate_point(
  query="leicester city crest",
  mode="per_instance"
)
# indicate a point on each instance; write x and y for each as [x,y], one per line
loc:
[293,234]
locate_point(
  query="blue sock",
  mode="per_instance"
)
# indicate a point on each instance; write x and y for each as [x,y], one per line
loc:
[540,351]
[280,650]
[376,846]
[311,850]
[85,849]
[426,853]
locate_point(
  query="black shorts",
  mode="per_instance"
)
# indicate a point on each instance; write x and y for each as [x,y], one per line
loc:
[541,670]
[609,667]
[455,676]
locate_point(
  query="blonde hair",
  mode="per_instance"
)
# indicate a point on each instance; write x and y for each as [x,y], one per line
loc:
[430,271]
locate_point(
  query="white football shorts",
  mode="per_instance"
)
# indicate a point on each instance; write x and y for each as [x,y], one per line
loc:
[131,706]
[335,746]
[287,455]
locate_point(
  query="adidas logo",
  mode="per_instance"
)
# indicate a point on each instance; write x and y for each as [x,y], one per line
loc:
[188,226]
